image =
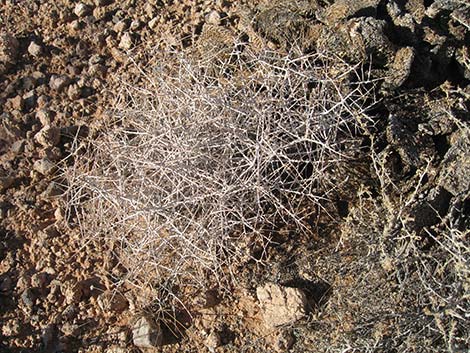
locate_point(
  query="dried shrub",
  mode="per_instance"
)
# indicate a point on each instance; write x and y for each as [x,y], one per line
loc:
[198,164]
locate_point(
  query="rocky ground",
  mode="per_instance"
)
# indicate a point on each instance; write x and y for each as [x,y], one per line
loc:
[387,270]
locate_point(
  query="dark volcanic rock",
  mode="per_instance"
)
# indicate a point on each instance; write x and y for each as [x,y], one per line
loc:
[358,39]
[345,9]
[400,69]
[455,170]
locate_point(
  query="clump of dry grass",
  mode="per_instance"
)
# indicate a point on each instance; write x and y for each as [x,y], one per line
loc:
[194,171]
[396,287]
[430,264]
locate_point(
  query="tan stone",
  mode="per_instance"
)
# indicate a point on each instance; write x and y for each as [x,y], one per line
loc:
[146,333]
[281,305]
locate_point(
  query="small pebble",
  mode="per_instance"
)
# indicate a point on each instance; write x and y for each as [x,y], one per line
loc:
[34,49]
[59,82]
[126,41]
[213,18]
[81,10]
[44,166]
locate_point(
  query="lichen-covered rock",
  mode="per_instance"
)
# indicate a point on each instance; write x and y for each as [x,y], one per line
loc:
[400,68]
[462,56]
[214,47]
[282,25]
[344,9]
[402,20]
[357,40]
[455,170]
[417,9]
[281,305]
[440,6]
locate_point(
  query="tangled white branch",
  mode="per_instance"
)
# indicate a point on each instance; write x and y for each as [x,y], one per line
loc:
[195,170]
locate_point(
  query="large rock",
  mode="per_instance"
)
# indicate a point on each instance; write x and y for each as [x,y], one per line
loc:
[404,21]
[358,39]
[147,334]
[455,171]
[283,25]
[400,69]
[440,6]
[48,136]
[281,305]
[344,9]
